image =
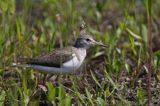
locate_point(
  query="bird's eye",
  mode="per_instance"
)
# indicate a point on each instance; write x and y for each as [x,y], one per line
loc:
[88,40]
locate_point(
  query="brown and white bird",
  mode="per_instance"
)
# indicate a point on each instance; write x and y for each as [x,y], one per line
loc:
[62,60]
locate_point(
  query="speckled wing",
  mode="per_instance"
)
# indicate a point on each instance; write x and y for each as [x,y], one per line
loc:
[54,59]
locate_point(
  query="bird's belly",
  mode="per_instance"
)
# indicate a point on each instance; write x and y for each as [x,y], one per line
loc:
[51,70]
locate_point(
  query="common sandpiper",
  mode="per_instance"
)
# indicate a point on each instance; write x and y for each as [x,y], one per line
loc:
[62,60]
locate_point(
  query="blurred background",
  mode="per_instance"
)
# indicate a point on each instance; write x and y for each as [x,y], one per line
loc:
[116,75]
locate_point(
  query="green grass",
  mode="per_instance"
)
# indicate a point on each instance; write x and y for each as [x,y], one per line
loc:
[112,76]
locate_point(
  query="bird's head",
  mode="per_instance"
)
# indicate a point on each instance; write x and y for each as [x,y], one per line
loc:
[85,40]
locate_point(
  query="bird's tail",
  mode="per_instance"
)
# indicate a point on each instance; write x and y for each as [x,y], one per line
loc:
[21,62]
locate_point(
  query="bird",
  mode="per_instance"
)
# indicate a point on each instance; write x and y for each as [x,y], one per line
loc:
[62,60]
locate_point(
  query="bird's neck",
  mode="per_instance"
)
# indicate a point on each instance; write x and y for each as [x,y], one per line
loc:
[81,53]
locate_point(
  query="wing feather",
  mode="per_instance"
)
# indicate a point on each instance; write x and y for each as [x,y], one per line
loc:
[55,58]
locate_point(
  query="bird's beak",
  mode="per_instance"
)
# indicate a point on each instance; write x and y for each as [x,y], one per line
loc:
[99,44]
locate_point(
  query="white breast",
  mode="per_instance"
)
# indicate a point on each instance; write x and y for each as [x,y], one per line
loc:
[76,62]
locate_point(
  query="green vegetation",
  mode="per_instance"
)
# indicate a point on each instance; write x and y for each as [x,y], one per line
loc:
[113,76]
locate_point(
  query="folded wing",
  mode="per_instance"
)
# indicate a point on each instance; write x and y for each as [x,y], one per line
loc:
[54,59]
